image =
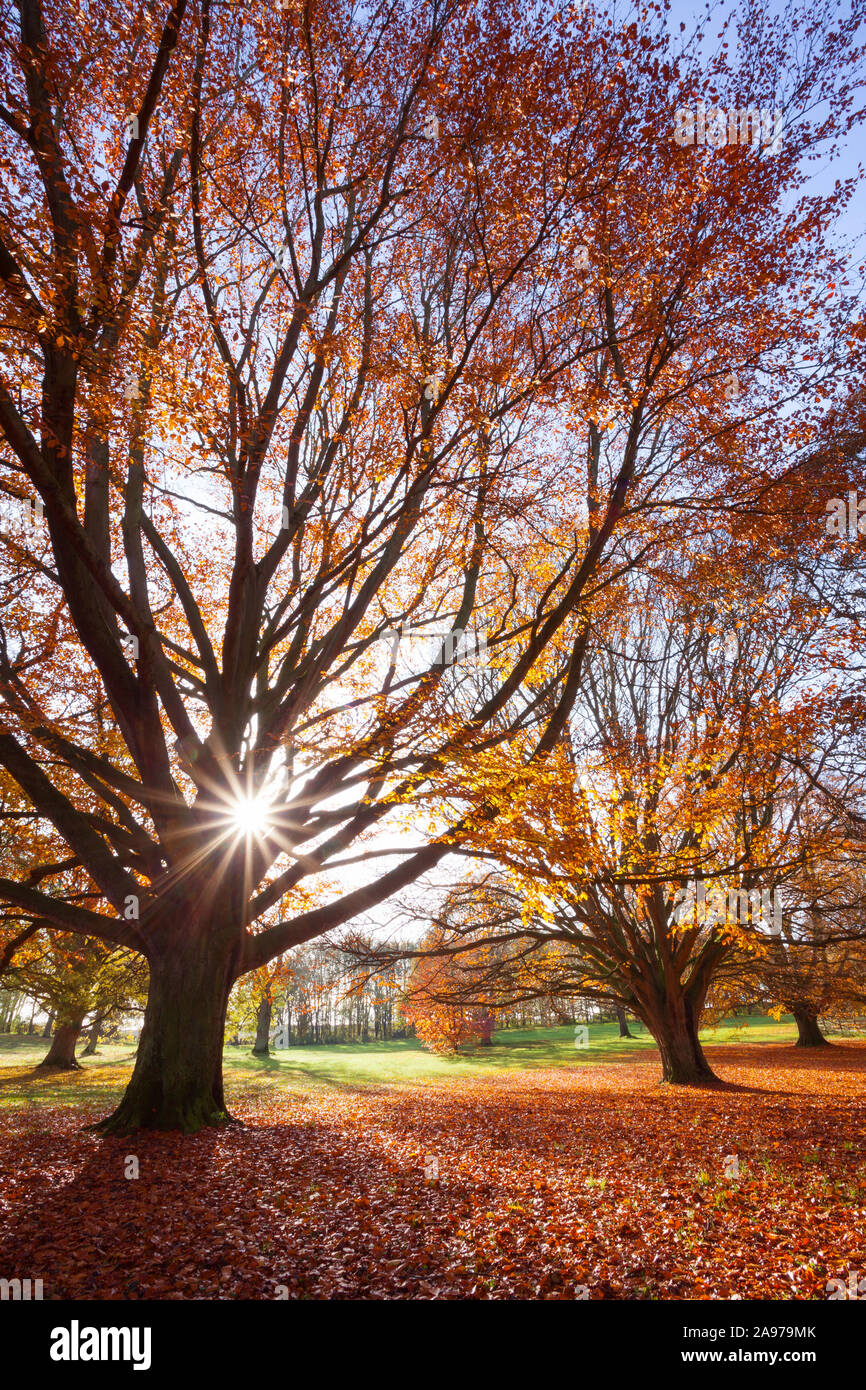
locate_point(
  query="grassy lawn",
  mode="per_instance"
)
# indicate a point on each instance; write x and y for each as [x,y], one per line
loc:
[354,1064]
[406,1061]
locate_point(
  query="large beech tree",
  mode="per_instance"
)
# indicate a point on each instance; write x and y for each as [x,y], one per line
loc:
[320,322]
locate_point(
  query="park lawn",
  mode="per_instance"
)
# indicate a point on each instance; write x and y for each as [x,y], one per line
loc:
[401,1062]
[405,1061]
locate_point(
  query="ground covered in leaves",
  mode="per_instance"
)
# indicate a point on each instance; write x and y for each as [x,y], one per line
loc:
[593,1182]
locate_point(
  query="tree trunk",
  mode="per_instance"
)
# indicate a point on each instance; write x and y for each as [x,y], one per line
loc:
[808,1032]
[93,1036]
[676,1035]
[261,1046]
[11,1000]
[46,1031]
[177,1082]
[486,1028]
[61,1054]
[623,1023]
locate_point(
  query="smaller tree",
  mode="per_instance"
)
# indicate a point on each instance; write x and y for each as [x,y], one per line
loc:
[73,977]
[436,996]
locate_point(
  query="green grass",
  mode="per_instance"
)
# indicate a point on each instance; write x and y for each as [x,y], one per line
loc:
[406,1061]
[355,1064]
[101,1081]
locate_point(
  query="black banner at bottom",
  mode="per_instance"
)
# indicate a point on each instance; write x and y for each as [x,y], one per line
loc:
[77,1343]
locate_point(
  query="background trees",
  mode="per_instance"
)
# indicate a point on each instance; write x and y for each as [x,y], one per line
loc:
[316,994]
[74,978]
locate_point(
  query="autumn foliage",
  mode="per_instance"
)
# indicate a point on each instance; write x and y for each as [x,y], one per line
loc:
[442,1024]
[325,332]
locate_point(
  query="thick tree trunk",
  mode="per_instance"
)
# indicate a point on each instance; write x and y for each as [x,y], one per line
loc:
[61,1054]
[263,1028]
[623,1022]
[177,1082]
[674,1029]
[808,1032]
[93,1036]
[486,1028]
